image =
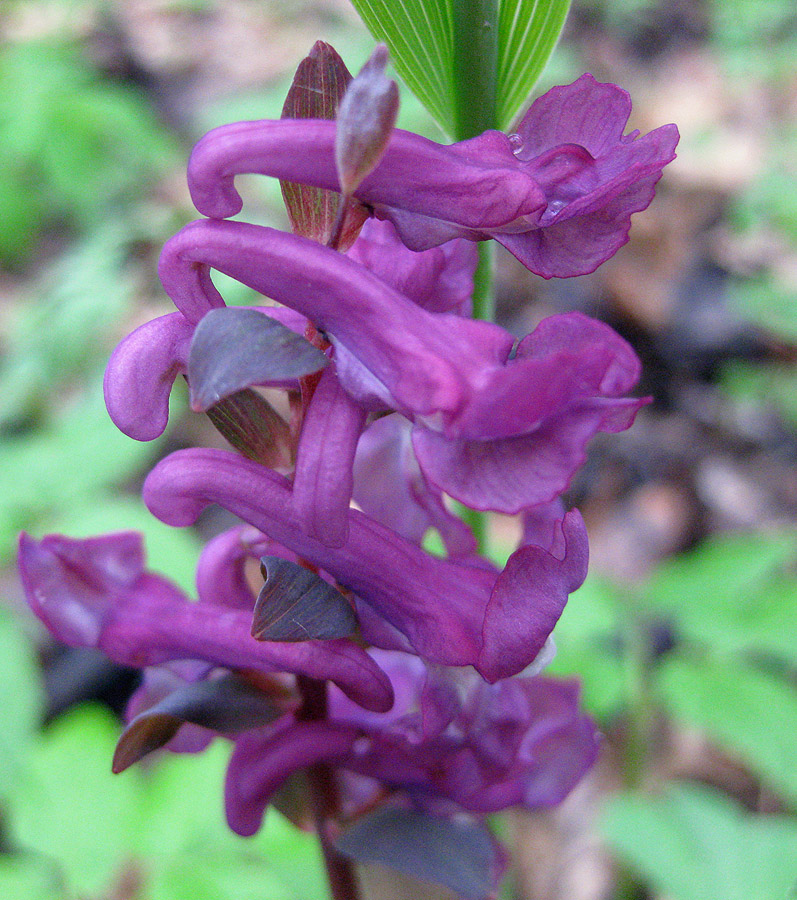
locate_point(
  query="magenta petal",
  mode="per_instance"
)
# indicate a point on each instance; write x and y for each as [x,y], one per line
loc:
[566,359]
[141,372]
[560,747]
[451,613]
[440,279]
[322,482]
[590,202]
[264,758]
[438,605]
[585,112]
[553,744]
[507,475]
[143,367]
[95,593]
[389,487]
[426,361]
[69,584]
[220,574]
[586,233]
[473,185]
[534,578]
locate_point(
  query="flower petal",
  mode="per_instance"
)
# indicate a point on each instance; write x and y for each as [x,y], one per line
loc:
[141,372]
[389,487]
[143,367]
[474,185]
[537,579]
[509,474]
[439,279]
[96,593]
[437,604]
[322,482]
[585,112]
[263,759]
[566,359]
[426,361]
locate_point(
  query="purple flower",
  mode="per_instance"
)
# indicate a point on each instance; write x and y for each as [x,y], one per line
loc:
[559,194]
[451,742]
[439,279]
[143,367]
[494,431]
[96,593]
[449,612]
[390,487]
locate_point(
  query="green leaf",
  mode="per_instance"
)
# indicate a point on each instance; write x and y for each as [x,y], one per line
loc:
[183,836]
[588,645]
[29,877]
[747,712]
[735,593]
[64,466]
[696,844]
[80,146]
[419,34]
[527,34]
[438,48]
[66,323]
[71,809]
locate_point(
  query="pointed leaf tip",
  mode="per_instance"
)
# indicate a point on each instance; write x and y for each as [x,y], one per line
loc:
[318,87]
[226,705]
[234,348]
[295,604]
[366,119]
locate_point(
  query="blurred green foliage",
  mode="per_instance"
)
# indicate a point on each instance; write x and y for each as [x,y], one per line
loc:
[74,145]
[706,645]
[707,642]
[694,843]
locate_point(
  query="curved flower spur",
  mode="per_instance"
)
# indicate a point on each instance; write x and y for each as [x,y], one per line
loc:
[558,194]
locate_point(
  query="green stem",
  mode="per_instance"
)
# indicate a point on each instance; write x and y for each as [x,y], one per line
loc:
[641,715]
[475,66]
[478,523]
[483,308]
[483,292]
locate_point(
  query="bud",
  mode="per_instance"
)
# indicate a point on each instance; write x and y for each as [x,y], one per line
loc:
[317,89]
[366,118]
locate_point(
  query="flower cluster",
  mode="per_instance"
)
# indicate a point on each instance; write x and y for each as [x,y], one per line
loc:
[397,401]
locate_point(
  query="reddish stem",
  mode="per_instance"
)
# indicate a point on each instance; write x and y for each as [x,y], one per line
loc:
[324,797]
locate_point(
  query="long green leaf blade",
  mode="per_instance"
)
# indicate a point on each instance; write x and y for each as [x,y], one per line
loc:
[527,34]
[419,34]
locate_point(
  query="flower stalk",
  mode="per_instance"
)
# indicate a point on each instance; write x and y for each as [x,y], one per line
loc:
[475,66]
[324,797]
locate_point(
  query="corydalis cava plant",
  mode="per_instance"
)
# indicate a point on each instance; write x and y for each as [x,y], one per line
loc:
[397,681]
